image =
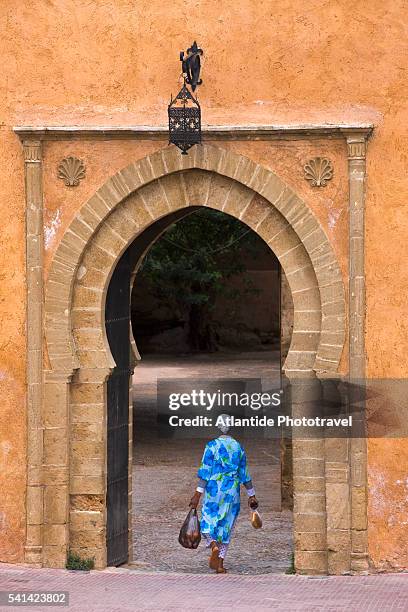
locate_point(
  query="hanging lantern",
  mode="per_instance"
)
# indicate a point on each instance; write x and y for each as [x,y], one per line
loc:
[184,120]
[184,110]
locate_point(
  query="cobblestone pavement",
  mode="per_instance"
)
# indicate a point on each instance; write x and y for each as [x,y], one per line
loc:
[127,590]
[164,478]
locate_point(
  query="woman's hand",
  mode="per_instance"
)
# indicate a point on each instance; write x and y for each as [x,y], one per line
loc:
[253,502]
[195,500]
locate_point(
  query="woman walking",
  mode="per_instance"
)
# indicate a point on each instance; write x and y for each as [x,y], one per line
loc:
[223,469]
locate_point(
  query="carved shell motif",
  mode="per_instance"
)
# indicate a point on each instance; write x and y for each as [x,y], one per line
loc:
[318,171]
[71,170]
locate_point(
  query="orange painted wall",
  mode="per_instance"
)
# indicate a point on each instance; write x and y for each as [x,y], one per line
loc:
[285,61]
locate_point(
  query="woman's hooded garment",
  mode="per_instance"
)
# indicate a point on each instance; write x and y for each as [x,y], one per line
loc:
[224,467]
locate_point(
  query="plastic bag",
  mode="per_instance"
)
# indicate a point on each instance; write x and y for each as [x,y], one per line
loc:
[190,534]
[256,520]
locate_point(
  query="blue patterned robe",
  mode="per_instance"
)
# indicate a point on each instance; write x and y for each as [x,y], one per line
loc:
[224,467]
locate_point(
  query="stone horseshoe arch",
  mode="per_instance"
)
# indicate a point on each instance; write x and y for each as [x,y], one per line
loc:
[149,189]
[129,202]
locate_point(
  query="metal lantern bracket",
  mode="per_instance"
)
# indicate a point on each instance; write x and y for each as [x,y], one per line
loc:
[184,110]
[191,65]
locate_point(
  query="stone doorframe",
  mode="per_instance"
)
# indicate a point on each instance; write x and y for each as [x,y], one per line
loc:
[66,483]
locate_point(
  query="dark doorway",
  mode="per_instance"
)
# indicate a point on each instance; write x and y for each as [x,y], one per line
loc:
[243,343]
[208,284]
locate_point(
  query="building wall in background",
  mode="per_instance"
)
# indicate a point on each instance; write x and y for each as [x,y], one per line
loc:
[115,62]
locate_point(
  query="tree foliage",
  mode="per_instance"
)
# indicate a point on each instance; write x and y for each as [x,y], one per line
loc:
[189,266]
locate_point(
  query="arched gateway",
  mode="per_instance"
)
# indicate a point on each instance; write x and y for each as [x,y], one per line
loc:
[160,187]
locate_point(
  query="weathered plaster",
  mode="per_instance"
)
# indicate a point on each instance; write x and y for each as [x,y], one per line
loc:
[95,62]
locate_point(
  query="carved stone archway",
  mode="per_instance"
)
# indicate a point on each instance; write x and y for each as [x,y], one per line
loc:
[75,386]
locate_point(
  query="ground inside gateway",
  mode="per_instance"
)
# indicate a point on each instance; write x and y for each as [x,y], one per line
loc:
[164,475]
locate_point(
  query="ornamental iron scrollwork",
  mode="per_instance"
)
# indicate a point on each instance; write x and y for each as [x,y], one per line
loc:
[184,110]
[191,65]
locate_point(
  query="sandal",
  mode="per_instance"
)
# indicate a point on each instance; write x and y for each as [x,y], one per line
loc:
[214,559]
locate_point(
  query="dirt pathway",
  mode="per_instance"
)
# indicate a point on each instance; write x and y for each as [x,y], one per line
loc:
[164,478]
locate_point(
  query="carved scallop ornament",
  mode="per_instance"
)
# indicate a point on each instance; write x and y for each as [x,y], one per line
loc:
[71,170]
[318,171]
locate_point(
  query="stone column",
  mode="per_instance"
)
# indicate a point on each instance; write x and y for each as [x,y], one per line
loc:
[309,497]
[337,472]
[356,144]
[88,467]
[56,473]
[34,272]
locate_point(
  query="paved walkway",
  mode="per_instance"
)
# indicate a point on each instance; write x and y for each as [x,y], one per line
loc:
[164,474]
[126,590]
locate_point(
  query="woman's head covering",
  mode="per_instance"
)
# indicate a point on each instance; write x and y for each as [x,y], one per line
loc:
[224,423]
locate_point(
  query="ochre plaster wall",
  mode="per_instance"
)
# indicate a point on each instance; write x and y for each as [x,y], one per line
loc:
[116,62]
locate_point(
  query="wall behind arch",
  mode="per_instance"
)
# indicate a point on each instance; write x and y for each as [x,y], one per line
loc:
[89,64]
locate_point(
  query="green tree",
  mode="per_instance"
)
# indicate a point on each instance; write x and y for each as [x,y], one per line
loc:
[189,266]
